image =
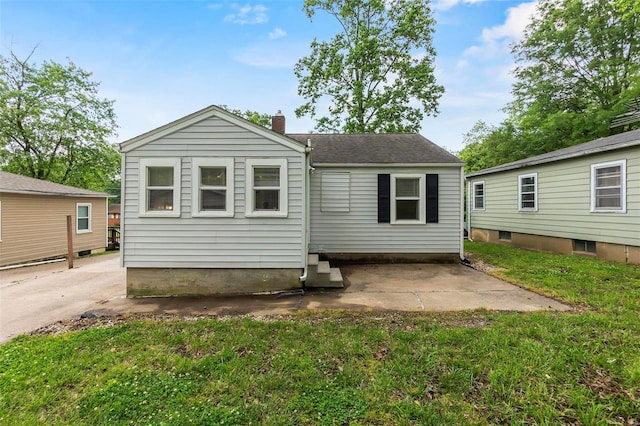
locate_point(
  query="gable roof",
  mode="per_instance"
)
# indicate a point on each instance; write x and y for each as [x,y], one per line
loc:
[203,114]
[374,148]
[17,184]
[609,143]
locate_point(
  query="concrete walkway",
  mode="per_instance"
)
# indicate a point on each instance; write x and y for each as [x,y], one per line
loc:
[36,296]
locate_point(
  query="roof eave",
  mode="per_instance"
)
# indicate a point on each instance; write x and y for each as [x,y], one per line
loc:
[203,114]
[533,162]
[60,194]
[405,165]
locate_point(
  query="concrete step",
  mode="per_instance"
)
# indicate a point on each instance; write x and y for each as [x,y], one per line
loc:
[323,267]
[335,278]
[321,274]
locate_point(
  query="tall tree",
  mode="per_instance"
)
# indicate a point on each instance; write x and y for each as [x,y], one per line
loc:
[53,125]
[578,68]
[378,72]
[579,65]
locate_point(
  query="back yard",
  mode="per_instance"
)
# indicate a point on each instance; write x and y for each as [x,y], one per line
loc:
[351,368]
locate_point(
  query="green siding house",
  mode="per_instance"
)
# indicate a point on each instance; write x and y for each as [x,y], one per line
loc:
[584,199]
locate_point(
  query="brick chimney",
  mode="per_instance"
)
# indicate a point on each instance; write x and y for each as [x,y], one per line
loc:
[277,123]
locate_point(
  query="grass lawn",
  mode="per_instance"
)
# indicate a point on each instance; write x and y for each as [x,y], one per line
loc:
[340,368]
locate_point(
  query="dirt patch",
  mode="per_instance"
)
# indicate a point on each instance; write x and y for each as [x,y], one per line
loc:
[479,265]
[391,320]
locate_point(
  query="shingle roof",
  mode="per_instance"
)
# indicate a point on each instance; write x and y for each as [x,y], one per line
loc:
[114,208]
[370,148]
[609,143]
[10,182]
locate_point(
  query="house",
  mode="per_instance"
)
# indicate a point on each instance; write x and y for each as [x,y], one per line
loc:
[113,215]
[215,204]
[33,219]
[584,199]
[383,197]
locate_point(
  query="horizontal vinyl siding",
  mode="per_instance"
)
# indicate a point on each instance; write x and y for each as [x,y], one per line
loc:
[34,227]
[564,202]
[211,242]
[358,230]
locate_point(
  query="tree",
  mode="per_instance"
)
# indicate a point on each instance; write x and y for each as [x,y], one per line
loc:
[579,65]
[578,68]
[253,116]
[487,146]
[53,126]
[375,71]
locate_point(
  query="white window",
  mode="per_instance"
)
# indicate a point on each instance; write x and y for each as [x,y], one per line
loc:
[407,199]
[160,187]
[478,195]
[83,218]
[334,195]
[528,192]
[212,182]
[609,187]
[266,188]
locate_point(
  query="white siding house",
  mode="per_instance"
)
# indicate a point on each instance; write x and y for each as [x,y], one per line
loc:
[584,199]
[423,223]
[214,204]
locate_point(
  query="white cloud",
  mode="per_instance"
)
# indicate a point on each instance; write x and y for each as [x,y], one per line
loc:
[247,14]
[462,64]
[518,18]
[496,40]
[443,5]
[277,33]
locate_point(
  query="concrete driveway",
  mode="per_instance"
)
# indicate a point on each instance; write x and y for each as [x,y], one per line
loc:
[36,296]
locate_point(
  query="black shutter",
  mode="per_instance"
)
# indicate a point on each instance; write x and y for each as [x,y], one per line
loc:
[384,198]
[432,198]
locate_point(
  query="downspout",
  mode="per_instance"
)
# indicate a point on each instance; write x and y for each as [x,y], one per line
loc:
[307,216]
[469,201]
[461,213]
[123,180]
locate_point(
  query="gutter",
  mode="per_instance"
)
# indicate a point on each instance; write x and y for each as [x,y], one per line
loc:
[535,161]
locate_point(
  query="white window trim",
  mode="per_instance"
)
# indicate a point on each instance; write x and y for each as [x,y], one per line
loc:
[197,163]
[283,190]
[535,193]
[159,162]
[484,196]
[88,230]
[421,202]
[623,187]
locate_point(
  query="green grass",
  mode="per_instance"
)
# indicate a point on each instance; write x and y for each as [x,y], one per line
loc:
[335,368]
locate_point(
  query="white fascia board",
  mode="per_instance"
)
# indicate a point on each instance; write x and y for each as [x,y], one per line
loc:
[522,163]
[196,117]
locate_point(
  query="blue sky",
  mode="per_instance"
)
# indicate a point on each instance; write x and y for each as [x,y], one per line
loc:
[161,60]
